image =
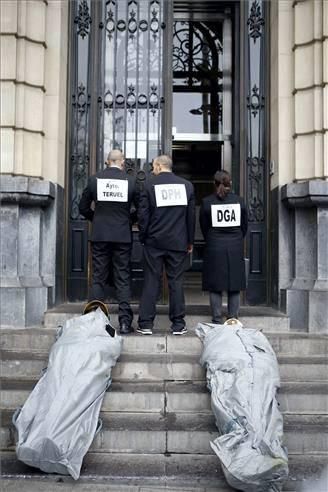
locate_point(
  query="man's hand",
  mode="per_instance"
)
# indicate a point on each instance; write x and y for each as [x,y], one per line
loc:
[189,248]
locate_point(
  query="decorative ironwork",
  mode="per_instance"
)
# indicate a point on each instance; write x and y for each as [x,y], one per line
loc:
[154,22]
[83,19]
[255,102]
[80,155]
[132,46]
[80,101]
[197,68]
[255,21]
[255,198]
[255,37]
[123,109]
[131,24]
[153,99]
[132,101]
[196,48]
[129,166]
[110,23]
[256,182]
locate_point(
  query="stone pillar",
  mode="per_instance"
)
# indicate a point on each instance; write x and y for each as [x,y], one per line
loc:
[310,90]
[306,298]
[27,266]
[299,152]
[34,51]
[23,50]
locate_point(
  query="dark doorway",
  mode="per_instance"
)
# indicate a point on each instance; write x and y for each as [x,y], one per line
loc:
[184,77]
[197,162]
[201,109]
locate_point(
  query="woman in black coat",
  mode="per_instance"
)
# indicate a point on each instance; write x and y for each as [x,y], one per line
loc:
[223,221]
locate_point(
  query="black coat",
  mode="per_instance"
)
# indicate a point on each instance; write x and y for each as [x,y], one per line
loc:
[111,220]
[166,227]
[223,266]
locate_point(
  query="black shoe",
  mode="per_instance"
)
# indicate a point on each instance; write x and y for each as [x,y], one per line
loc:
[217,321]
[179,331]
[125,328]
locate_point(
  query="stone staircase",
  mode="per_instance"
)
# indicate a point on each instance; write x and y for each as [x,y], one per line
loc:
[157,421]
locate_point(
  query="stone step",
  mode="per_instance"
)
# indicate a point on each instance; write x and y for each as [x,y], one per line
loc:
[32,485]
[282,343]
[264,318]
[158,367]
[177,397]
[173,471]
[187,433]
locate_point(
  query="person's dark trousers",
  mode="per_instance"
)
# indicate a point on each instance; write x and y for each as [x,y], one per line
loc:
[174,262]
[233,303]
[116,255]
[216,305]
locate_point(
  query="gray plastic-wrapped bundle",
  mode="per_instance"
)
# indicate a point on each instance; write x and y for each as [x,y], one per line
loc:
[59,420]
[243,377]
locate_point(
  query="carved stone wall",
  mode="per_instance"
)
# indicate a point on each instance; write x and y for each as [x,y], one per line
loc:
[33,134]
[299,161]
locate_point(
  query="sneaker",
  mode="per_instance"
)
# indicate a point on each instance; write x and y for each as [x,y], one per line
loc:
[179,331]
[145,330]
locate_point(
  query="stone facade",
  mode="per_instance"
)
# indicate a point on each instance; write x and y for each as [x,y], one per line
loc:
[299,184]
[33,136]
[30,222]
[34,74]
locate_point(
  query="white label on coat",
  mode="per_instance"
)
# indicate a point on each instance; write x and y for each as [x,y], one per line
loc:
[170,195]
[226,215]
[112,190]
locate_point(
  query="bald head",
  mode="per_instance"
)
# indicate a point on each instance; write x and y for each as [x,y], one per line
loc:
[115,158]
[162,163]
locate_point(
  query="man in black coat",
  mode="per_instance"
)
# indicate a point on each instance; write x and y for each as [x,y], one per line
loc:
[112,191]
[166,218]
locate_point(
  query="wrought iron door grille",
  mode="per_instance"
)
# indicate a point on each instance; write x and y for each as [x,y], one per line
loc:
[131,98]
[80,75]
[197,68]
[116,90]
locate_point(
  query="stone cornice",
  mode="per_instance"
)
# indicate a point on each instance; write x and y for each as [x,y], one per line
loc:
[311,132]
[23,82]
[308,194]
[26,38]
[308,88]
[309,43]
[23,129]
[26,190]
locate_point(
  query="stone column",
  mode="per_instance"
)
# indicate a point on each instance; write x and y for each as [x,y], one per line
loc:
[33,131]
[306,298]
[27,266]
[303,217]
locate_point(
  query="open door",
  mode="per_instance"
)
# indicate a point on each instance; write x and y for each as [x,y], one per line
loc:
[201,108]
